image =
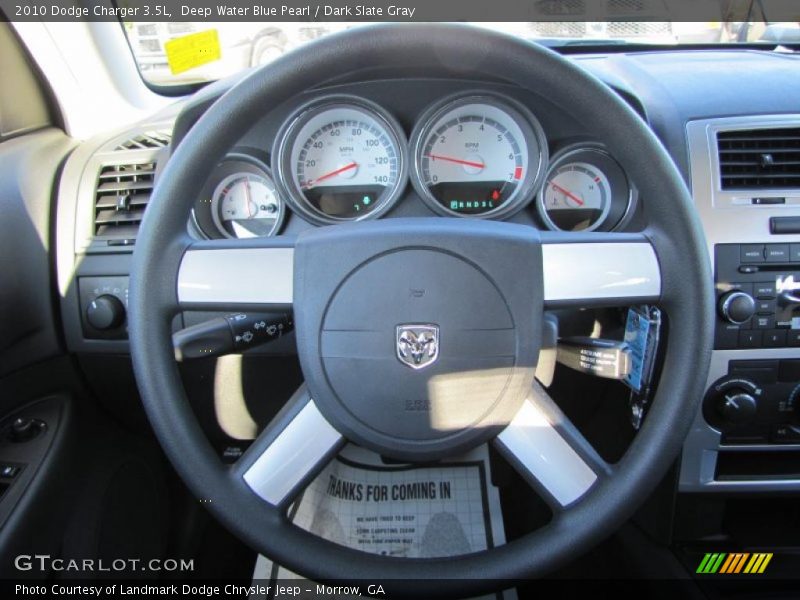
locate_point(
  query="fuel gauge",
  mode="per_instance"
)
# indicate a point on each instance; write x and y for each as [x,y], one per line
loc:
[246,205]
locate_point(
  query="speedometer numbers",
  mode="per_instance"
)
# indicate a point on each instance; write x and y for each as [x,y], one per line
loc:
[477,156]
[341,158]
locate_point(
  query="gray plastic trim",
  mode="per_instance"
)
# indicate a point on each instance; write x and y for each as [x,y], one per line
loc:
[727,220]
[541,450]
[305,442]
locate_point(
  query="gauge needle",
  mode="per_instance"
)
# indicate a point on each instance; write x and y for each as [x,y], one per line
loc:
[247,198]
[567,193]
[314,182]
[458,161]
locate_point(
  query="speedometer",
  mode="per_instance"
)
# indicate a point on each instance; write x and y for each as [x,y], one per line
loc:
[477,155]
[341,158]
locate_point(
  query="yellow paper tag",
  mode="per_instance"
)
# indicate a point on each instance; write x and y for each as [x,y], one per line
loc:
[192,50]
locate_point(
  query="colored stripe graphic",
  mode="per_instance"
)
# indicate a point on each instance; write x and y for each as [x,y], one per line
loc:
[734,563]
[711,562]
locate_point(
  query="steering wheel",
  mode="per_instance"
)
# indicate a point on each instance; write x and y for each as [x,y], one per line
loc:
[480,286]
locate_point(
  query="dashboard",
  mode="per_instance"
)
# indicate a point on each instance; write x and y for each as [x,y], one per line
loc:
[396,144]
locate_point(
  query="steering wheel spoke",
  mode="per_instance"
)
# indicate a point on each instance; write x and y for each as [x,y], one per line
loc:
[549,452]
[230,275]
[599,269]
[294,447]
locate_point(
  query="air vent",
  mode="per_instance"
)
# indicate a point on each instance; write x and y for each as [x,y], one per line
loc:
[146,140]
[123,192]
[759,158]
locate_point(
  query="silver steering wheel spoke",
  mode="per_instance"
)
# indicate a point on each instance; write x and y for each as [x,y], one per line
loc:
[237,274]
[549,452]
[589,269]
[290,452]
[599,269]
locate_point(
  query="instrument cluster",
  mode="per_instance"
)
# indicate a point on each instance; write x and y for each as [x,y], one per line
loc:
[343,158]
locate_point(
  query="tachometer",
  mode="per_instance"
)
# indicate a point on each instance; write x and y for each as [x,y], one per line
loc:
[477,156]
[341,158]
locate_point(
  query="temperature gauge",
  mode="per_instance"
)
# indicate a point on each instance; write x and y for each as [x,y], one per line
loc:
[584,190]
[576,197]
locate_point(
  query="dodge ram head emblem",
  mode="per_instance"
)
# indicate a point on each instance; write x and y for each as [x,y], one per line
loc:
[418,345]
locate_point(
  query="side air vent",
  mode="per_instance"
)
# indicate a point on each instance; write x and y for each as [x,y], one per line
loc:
[123,192]
[759,158]
[146,140]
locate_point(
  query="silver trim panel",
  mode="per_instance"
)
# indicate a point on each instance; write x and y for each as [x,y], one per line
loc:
[703,443]
[546,456]
[590,271]
[726,220]
[600,271]
[296,452]
[237,276]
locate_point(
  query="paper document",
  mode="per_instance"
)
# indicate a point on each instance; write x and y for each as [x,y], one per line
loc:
[406,511]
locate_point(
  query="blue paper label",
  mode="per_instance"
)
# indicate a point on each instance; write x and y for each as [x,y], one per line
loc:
[637,330]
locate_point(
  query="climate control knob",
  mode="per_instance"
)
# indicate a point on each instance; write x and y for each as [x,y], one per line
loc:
[731,403]
[737,307]
[737,406]
[105,312]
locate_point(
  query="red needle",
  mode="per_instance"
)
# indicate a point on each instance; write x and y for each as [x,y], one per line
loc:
[567,193]
[458,161]
[247,198]
[352,165]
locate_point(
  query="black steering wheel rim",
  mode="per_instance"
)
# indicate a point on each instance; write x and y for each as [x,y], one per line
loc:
[673,230]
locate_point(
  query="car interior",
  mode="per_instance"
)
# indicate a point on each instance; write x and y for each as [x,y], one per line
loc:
[562,278]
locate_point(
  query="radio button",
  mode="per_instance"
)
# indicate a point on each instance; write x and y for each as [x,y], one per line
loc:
[762,322]
[777,253]
[764,290]
[750,339]
[765,307]
[775,338]
[750,253]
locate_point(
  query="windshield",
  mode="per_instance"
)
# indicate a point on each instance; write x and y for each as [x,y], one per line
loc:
[179,53]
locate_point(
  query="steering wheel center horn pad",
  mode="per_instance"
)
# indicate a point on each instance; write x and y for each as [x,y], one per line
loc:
[419,338]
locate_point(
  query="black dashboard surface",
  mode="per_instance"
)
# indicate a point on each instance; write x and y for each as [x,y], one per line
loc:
[667,88]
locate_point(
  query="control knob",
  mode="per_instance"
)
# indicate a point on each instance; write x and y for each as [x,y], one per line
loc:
[731,403]
[737,406]
[105,312]
[737,307]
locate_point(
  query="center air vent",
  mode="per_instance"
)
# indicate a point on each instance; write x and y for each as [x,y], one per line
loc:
[123,192]
[146,140]
[759,158]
